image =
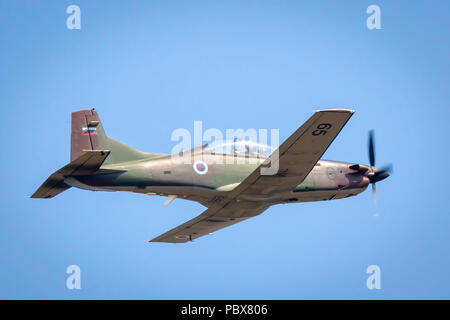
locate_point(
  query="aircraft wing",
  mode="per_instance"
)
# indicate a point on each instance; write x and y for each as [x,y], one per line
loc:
[296,156]
[288,167]
[213,219]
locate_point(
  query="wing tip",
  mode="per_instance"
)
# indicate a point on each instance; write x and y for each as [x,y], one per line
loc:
[336,110]
[163,241]
[169,240]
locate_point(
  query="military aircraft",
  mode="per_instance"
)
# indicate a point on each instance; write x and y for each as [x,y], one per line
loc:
[228,179]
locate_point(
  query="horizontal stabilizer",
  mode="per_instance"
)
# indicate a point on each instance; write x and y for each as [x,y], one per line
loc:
[88,163]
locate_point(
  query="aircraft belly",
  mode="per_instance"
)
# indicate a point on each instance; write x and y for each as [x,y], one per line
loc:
[320,195]
[74,182]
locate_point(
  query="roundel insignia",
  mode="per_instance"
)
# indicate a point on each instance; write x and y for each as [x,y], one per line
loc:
[200,167]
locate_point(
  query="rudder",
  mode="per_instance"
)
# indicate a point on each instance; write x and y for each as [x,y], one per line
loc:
[84,132]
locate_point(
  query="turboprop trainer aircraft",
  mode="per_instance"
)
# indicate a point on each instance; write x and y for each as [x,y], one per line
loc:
[229,179]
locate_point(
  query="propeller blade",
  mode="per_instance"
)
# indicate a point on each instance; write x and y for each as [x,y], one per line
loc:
[388,168]
[371,148]
[374,196]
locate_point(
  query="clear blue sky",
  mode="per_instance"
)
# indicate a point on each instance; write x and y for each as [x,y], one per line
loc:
[149,67]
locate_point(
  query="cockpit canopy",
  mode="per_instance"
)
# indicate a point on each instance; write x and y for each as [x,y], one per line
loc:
[239,147]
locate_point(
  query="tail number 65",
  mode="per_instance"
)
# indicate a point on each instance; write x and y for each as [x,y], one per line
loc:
[322,129]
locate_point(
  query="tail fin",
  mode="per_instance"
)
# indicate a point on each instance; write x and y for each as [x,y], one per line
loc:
[88,134]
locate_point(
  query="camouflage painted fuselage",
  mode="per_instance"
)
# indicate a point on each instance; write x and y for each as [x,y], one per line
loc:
[162,176]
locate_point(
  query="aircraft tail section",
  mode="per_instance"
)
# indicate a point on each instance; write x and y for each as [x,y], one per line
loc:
[88,134]
[90,150]
[87,163]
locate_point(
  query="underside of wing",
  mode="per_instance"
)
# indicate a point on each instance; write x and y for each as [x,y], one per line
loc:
[211,220]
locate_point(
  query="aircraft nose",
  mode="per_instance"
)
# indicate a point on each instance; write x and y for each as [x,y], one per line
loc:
[382,175]
[379,174]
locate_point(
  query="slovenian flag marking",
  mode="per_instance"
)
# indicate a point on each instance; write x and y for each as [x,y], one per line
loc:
[88,131]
